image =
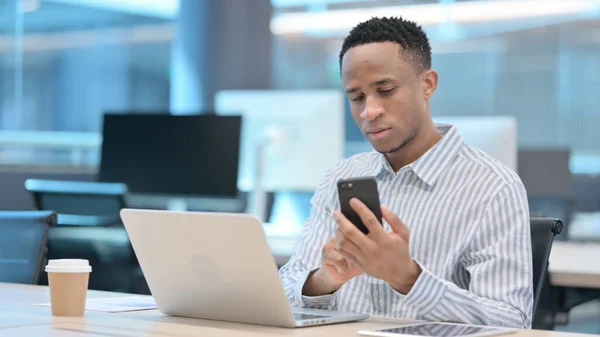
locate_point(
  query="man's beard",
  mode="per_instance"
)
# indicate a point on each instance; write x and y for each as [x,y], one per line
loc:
[404,142]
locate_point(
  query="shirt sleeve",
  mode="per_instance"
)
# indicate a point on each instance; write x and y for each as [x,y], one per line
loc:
[499,262]
[306,257]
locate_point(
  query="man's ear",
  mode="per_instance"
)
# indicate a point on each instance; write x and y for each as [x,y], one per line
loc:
[429,79]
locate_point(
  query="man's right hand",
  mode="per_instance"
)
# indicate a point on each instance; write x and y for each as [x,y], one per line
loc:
[334,272]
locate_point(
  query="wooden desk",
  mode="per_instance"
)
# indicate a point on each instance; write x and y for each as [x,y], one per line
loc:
[575,265]
[18,317]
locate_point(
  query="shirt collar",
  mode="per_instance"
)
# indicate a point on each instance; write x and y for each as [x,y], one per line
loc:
[429,166]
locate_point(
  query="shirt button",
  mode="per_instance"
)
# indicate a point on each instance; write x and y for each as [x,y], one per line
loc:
[395,193]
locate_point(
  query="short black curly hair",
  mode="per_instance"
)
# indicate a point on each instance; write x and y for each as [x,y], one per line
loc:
[409,35]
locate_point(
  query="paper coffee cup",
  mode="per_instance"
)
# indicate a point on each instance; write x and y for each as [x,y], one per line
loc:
[68,281]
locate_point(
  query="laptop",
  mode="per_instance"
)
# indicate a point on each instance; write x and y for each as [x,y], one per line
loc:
[215,266]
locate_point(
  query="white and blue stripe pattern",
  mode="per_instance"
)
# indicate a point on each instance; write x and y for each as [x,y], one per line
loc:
[468,218]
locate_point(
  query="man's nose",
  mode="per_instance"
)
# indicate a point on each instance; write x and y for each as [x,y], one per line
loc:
[372,110]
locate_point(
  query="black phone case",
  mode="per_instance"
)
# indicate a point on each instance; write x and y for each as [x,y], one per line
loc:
[365,190]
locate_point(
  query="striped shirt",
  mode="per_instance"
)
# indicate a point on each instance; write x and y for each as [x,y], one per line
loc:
[468,218]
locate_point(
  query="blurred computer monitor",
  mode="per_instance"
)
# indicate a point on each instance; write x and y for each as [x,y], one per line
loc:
[495,135]
[172,155]
[302,132]
[549,183]
[545,172]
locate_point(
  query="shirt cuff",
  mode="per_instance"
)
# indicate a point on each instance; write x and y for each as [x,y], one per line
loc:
[315,302]
[427,292]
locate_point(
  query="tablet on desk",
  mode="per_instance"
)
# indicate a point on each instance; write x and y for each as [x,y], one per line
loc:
[438,329]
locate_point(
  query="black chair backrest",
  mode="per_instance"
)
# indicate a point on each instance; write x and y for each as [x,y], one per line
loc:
[23,238]
[78,198]
[543,231]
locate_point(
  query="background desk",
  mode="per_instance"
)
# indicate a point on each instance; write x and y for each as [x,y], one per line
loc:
[18,317]
[575,276]
[575,265]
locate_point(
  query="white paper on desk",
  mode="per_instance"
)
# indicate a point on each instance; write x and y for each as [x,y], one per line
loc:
[117,304]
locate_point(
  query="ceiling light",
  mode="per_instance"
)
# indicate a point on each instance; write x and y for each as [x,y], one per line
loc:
[427,14]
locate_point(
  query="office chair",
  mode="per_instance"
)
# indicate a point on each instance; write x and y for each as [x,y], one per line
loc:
[543,231]
[23,236]
[79,203]
[557,207]
[88,217]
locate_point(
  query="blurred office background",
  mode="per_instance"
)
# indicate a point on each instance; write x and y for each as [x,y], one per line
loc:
[64,64]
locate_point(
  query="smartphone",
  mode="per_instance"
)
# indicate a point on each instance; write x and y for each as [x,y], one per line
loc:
[365,190]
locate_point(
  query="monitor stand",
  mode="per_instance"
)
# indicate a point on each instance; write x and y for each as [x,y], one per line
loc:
[258,197]
[177,204]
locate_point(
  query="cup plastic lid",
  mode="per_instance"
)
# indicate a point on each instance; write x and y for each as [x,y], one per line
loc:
[68,266]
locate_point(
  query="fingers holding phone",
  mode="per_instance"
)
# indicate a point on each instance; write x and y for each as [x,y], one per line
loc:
[384,255]
[339,264]
[335,271]
[338,269]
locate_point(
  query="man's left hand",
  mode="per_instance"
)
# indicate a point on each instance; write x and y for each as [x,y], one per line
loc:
[384,255]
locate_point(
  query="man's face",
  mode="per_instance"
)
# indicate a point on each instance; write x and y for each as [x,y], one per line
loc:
[386,94]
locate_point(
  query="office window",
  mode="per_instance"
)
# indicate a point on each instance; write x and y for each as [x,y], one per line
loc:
[63,63]
[537,67]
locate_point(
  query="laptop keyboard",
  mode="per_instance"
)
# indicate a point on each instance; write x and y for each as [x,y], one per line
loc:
[300,317]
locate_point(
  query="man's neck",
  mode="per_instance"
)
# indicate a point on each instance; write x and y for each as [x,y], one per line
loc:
[417,147]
